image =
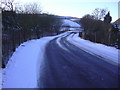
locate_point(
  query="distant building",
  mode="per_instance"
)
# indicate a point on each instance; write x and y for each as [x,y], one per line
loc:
[117,22]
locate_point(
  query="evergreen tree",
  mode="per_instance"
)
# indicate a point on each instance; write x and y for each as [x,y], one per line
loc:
[107,18]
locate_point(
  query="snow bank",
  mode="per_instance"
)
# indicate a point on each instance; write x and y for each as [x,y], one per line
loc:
[110,54]
[22,70]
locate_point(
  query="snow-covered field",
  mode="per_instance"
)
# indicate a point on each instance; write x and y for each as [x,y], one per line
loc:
[70,24]
[109,54]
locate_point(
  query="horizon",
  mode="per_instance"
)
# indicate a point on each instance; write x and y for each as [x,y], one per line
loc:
[76,8]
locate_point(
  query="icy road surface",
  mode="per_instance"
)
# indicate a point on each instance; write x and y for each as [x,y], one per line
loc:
[67,66]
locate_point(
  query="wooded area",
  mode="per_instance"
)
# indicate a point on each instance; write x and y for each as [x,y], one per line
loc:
[99,31]
[18,28]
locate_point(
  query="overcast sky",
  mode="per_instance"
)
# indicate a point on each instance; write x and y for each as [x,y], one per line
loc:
[76,8]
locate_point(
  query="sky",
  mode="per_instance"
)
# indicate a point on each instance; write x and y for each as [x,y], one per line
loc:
[76,8]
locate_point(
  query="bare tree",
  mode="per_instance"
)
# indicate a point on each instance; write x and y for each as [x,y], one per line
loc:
[19,8]
[7,4]
[32,8]
[99,13]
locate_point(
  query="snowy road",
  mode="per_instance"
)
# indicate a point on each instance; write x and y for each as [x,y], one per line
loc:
[67,66]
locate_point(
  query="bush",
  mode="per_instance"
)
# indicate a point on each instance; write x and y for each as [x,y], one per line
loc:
[98,31]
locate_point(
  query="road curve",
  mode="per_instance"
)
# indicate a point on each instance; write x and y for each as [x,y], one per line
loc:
[70,67]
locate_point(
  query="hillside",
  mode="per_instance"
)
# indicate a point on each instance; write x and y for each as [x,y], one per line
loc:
[66,17]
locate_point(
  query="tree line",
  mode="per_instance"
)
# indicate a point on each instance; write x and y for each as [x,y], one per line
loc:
[100,31]
[23,25]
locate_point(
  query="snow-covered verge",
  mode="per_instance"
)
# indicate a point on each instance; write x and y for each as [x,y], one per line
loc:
[109,54]
[22,70]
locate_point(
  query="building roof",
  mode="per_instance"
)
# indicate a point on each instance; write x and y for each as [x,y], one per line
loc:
[117,22]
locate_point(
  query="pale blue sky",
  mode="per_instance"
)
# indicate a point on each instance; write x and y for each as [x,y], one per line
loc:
[77,8]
